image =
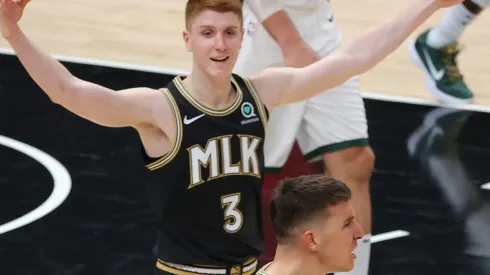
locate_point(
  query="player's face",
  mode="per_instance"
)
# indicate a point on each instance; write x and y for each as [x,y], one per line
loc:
[215,40]
[337,237]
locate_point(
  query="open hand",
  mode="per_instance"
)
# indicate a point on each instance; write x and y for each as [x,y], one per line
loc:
[10,13]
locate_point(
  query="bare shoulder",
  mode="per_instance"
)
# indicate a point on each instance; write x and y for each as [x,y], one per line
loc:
[157,137]
[270,83]
[159,101]
[143,95]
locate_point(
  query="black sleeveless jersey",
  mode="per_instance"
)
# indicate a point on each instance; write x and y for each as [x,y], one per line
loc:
[207,188]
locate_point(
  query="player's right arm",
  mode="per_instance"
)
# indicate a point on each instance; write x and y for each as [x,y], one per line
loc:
[98,104]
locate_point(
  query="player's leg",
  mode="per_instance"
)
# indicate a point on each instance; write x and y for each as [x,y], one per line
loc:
[436,49]
[335,130]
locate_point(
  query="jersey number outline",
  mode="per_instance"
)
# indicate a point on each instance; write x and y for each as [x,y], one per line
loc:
[232,215]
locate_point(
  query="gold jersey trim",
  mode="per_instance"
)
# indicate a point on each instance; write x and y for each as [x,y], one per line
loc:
[247,268]
[170,155]
[206,109]
[257,99]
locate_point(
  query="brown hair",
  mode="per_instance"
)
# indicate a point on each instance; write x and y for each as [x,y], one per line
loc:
[300,199]
[195,7]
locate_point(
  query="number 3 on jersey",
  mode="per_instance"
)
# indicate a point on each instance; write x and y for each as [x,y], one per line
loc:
[233,216]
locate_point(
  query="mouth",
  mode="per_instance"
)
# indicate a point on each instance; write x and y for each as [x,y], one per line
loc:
[353,255]
[220,59]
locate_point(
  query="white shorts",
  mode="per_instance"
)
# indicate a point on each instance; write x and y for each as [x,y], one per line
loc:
[331,121]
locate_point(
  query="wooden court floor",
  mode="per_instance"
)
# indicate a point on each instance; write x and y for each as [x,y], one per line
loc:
[149,33]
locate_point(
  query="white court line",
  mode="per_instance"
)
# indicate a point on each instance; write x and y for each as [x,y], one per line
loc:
[61,179]
[486,186]
[388,236]
[161,70]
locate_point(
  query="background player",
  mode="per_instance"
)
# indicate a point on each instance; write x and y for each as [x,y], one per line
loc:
[313,219]
[332,126]
[214,37]
[436,49]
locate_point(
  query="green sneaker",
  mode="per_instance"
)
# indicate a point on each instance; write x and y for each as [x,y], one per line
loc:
[441,72]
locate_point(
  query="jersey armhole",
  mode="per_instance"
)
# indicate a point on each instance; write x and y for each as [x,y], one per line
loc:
[263,112]
[170,155]
[262,270]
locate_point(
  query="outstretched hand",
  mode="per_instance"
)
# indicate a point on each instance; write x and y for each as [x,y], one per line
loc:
[10,13]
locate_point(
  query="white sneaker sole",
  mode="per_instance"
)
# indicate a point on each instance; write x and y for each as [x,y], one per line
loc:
[430,83]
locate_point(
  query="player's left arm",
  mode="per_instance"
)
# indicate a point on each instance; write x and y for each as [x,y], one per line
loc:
[287,85]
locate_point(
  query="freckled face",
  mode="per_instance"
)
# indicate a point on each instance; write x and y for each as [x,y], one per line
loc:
[215,39]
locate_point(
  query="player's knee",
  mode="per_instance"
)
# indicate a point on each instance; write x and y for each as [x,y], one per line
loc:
[362,165]
[365,163]
[353,164]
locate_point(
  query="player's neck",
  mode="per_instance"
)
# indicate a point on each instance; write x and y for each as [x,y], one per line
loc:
[216,93]
[289,261]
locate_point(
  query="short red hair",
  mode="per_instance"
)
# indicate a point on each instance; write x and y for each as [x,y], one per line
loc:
[195,7]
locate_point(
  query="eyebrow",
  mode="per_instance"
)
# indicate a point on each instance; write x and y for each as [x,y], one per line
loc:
[214,27]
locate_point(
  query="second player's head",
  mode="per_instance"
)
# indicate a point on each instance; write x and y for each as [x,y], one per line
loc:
[313,216]
[214,34]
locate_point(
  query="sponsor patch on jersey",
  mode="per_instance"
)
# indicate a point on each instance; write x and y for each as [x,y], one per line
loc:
[248,112]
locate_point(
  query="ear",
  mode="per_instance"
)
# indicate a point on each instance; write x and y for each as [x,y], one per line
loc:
[308,240]
[187,40]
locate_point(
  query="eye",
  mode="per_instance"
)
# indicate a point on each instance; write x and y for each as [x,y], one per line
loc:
[230,32]
[207,33]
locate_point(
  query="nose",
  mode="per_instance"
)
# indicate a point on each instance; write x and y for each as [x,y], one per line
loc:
[358,233]
[220,43]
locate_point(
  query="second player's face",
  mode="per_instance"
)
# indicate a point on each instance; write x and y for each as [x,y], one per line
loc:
[215,40]
[337,238]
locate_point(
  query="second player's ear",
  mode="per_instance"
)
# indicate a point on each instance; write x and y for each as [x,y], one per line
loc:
[308,239]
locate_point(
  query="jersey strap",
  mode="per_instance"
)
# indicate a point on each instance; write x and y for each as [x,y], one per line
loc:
[264,115]
[178,134]
[178,82]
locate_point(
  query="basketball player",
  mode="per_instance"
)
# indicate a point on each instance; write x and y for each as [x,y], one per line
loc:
[436,49]
[330,127]
[313,219]
[202,135]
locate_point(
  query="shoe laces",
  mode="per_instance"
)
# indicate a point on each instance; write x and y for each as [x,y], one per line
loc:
[449,54]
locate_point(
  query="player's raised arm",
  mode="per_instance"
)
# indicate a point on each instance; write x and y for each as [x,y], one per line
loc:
[286,85]
[101,105]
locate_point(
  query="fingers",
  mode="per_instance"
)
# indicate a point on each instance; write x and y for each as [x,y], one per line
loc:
[23,3]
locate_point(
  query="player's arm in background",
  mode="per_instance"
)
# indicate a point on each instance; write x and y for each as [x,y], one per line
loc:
[281,28]
[106,107]
[287,85]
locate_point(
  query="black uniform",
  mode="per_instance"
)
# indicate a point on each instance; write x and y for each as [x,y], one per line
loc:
[207,189]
